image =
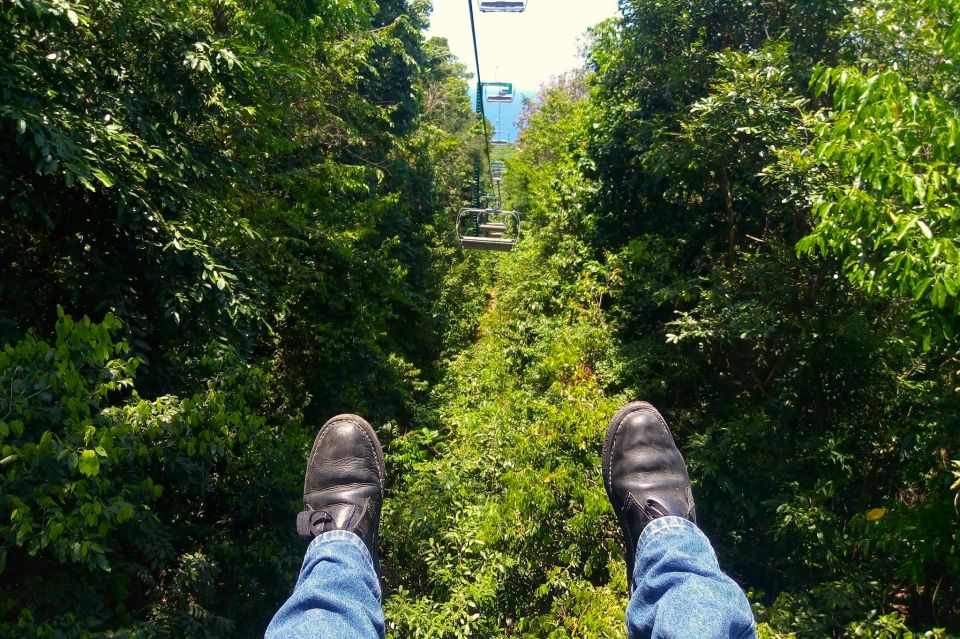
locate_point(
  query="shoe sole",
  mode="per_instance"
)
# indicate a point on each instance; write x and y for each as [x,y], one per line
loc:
[370,434]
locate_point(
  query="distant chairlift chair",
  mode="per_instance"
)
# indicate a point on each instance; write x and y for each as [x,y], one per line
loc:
[488,229]
[503,6]
[503,92]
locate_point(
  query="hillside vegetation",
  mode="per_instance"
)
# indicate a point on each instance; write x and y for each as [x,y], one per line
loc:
[222,222]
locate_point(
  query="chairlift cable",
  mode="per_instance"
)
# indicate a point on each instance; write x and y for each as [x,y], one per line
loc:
[492,229]
[482,113]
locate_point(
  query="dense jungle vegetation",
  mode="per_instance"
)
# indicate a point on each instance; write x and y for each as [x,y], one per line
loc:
[223,221]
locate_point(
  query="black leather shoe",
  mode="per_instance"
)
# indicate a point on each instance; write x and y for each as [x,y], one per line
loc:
[343,488]
[644,474]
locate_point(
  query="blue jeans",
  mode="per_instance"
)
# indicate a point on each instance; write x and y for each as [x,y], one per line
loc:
[681,593]
[337,595]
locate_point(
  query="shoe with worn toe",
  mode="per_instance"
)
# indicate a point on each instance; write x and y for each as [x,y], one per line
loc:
[644,474]
[343,488]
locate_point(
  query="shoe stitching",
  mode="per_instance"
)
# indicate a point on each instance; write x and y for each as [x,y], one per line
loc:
[338,487]
[663,422]
[363,431]
[613,445]
[616,435]
[376,456]
[377,450]
[323,433]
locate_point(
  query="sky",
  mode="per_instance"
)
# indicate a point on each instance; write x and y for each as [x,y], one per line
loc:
[523,48]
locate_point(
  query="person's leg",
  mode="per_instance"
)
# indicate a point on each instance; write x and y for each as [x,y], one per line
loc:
[338,592]
[677,588]
[680,590]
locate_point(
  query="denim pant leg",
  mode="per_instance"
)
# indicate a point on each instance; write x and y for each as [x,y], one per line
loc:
[680,591]
[337,595]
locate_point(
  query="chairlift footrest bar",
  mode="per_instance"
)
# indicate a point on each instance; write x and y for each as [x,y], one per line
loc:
[487,243]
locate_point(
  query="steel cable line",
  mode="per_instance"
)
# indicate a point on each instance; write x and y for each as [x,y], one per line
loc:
[482,111]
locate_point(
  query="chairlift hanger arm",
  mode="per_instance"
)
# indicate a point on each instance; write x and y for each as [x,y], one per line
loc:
[490,225]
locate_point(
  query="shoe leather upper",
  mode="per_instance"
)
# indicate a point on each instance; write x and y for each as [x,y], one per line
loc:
[343,487]
[646,464]
[645,476]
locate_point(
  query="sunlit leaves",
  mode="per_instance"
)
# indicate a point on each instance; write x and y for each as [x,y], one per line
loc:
[888,203]
[88,463]
[86,460]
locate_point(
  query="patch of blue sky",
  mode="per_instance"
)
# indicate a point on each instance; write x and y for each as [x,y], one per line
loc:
[526,49]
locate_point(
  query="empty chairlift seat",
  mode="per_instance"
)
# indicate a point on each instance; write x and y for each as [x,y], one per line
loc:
[488,229]
[503,6]
[487,243]
[498,92]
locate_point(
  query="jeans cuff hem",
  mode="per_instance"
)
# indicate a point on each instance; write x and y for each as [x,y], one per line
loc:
[344,536]
[664,523]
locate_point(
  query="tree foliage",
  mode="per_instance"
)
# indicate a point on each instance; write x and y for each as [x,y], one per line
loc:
[223,221]
[671,208]
[252,200]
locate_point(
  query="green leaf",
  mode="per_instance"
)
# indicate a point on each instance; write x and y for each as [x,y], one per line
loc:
[124,513]
[89,465]
[951,285]
[102,563]
[875,514]
[105,179]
